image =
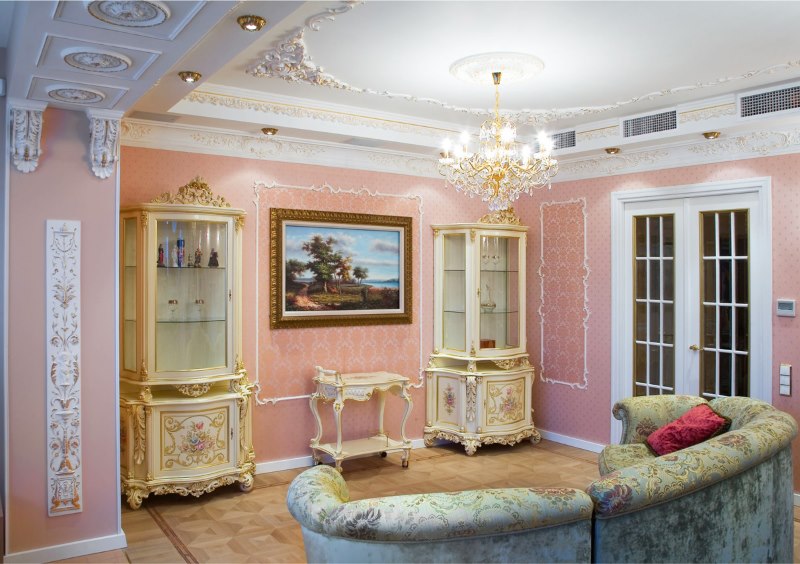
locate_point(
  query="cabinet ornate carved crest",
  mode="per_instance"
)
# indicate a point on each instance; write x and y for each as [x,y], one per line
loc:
[185,399]
[479,377]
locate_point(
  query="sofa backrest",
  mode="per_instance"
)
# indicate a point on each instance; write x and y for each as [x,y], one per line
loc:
[758,432]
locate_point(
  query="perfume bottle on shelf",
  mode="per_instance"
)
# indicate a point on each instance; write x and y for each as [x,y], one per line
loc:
[181,251]
[160,262]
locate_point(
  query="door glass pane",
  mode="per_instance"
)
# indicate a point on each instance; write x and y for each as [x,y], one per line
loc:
[499,292]
[653,295]
[191,295]
[725,281]
[454,293]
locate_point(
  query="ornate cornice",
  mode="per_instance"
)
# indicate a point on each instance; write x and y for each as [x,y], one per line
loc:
[259,147]
[759,143]
[702,114]
[614,164]
[197,192]
[103,144]
[26,138]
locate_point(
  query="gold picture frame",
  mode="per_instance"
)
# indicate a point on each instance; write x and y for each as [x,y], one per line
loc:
[338,269]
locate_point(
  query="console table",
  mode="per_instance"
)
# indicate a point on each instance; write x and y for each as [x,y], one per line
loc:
[359,386]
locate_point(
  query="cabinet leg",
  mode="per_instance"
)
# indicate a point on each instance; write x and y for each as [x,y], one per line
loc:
[470,446]
[536,437]
[406,457]
[338,462]
[135,497]
[246,482]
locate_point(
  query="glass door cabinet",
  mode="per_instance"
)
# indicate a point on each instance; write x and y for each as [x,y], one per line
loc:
[479,376]
[185,397]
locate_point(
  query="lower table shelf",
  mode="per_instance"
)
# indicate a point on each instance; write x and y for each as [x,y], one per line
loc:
[360,447]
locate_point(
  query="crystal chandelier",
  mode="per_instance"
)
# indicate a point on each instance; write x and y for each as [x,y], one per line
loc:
[502,168]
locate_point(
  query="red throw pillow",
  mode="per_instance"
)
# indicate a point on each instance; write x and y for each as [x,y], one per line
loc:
[695,426]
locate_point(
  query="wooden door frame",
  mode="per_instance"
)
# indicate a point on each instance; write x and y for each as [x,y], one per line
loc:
[761,288]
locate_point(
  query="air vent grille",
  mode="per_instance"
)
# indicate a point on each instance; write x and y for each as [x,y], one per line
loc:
[650,124]
[563,140]
[768,102]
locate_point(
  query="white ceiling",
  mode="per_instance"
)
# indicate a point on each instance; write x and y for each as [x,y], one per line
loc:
[386,79]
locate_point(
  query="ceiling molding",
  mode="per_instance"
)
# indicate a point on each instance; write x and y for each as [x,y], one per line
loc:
[175,137]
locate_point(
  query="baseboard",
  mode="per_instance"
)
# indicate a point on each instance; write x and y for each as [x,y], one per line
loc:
[571,441]
[70,549]
[305,461]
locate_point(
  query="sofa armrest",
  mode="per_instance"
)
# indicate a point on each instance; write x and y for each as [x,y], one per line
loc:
[674,475]
[429,517]
[642,415]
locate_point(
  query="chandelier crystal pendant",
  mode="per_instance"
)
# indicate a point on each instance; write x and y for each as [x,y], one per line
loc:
[502,168]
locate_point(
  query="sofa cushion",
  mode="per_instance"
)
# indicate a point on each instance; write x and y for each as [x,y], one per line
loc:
[614,457]
[695,426]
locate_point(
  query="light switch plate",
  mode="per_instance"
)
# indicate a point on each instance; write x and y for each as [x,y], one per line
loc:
[785,379]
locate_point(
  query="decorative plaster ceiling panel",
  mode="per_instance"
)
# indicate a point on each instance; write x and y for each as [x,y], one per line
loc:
[74,95]
[65,54]
[131,17]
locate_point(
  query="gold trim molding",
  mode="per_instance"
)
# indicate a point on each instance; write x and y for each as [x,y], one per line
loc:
[197,192]
[501,217]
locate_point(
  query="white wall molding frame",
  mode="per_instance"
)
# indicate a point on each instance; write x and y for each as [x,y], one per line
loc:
[26,133]
[762,342]
[260,187]
[586,311]
[103,141]
[63,346]
[69,550]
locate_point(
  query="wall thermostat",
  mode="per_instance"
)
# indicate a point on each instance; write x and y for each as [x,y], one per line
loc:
[786,308]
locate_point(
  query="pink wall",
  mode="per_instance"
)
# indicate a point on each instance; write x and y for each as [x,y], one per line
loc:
[63,187]
[585,414]
[287,357]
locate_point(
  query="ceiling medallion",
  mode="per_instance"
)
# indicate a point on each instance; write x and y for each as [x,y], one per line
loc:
[478,69]
[502,168]
[129,13]
[75,95]
[96,61]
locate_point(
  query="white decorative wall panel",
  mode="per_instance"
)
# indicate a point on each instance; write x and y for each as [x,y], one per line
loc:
[63,346]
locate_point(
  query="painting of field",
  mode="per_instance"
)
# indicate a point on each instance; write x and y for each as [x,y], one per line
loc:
[341,268]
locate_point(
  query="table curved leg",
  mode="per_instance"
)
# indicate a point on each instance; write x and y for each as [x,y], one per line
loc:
[406,395]
[381,411]
[313,402]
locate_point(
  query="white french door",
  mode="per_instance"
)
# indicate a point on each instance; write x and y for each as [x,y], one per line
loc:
[692,292]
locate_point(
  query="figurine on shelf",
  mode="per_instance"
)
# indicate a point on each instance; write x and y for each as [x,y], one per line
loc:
[213,260]
[160,262]
[181,252]
[174,257]
[198,256]
[488,305]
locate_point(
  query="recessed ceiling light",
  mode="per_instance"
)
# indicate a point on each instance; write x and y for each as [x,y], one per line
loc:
[269,131]
[612,150]
[251,23]
[711,134]
[189,76]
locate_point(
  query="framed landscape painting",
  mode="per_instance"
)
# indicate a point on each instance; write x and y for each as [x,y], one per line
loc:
[331,269]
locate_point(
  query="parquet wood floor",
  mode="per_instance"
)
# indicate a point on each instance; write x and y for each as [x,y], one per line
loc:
[228,526]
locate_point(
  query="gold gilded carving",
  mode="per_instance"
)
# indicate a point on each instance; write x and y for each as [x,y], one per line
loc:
[472,235]
[194,390]
[502,217]
[146,394]
[145,219]
[239,222]
[196,192]
[139,434]
[505,364]
[472,396]
[435,233]
[143,371]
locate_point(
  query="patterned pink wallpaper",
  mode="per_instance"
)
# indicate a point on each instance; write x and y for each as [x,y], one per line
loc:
[585,413]
[564,279]
[287,357]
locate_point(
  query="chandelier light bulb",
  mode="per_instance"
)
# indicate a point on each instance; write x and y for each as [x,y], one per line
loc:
[464,138]
[507,135]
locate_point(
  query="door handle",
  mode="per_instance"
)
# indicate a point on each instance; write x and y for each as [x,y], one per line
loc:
[695,348]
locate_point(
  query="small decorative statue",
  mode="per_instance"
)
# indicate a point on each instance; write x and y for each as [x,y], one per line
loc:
[181,252]
[213,259]
[174,257]
[198,256]
[160,255]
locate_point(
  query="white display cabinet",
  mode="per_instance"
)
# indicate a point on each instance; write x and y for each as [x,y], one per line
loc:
[479,377]
[185,399]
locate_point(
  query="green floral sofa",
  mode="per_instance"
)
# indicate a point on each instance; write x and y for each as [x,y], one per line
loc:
[492,525]
[727,499]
